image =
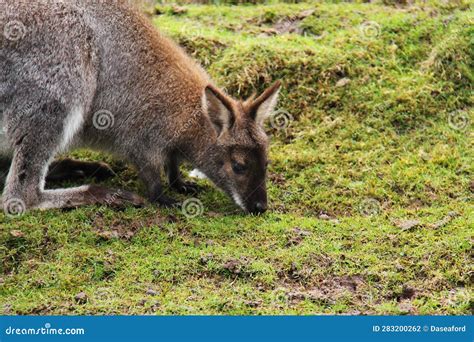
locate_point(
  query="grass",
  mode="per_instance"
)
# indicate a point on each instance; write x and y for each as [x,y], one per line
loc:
[371,183]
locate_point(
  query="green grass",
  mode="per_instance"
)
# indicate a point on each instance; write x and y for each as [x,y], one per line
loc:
[356,161]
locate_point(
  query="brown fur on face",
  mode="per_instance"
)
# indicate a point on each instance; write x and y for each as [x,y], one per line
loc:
[242,145]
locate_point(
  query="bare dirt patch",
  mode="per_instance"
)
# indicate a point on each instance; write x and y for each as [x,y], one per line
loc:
[289,24]
[124,228]
[326,290]
[236,266]
[296,236]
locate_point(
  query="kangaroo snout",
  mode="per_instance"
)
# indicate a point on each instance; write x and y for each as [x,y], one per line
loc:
[259,208]
[257,203]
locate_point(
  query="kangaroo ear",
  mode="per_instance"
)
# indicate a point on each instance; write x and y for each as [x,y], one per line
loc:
[218,108]
[262,107]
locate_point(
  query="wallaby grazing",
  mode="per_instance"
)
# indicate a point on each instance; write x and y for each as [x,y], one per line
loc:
[97,74]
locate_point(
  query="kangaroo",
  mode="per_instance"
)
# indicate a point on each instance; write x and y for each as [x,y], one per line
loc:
[97,74]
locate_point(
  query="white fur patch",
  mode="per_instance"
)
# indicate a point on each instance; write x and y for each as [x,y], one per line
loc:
[72,124]
[5,149]
[238,200]
[196,173]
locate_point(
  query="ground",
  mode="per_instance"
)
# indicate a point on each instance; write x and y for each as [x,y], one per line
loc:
[371,179]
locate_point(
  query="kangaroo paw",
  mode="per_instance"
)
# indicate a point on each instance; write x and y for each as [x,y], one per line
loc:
[187,188]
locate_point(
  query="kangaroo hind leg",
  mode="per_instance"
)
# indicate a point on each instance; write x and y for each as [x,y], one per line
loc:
[36,143]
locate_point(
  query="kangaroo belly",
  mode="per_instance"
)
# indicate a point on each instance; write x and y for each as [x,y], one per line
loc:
[5,149]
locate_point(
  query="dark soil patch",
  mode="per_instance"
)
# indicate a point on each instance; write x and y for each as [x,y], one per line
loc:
[123,227]
[296,236]
[288,24]
[235,266]
[277,178]
[405,293]
[326,290]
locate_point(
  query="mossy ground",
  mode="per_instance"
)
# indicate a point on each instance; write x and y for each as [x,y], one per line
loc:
[379,99]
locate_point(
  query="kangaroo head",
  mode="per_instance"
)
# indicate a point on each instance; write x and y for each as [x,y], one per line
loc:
[237,161]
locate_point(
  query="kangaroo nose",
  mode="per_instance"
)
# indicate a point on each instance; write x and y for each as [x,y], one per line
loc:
[260,208]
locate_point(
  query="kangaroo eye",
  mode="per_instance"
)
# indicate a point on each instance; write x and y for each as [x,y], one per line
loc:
[239,168]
